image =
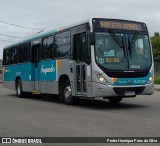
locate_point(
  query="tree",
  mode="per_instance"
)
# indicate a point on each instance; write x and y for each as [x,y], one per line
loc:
[156,48]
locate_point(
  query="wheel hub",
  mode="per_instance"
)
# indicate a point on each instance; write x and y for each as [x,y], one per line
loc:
[18,89]
[67,93]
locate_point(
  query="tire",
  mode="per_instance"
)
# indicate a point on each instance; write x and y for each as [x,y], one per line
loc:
[115,100]
[19,91]
[66,94]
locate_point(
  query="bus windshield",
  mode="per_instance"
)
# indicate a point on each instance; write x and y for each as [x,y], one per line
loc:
[122,51]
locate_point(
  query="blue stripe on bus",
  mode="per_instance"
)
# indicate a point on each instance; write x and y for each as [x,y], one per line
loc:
[45,71]
[22,70]
[132,81]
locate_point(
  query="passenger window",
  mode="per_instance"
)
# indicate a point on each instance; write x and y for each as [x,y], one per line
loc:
[6,57]
[62,44]
[48,49]
[23,53]
[14,55]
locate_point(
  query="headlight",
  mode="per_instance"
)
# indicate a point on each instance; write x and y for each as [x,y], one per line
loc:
[151,78]
[101,78]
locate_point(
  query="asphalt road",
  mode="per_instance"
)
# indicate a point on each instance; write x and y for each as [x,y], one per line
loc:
[32,116]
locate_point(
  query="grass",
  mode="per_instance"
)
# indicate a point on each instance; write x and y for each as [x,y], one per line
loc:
[157,79]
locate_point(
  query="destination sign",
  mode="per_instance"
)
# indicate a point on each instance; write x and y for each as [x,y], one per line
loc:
[119,24]
[112,60]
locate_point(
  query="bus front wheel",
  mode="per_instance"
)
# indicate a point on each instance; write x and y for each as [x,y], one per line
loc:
[115,100]
[66,93]
[19,91]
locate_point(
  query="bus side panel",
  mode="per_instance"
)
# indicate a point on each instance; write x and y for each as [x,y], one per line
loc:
[23,71]
[48,77]
[26,77]
[50,72]
[7,73]
[47,70]
[66,67]
[7,82]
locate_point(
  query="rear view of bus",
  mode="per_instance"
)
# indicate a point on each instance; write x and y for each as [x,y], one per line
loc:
[122,59]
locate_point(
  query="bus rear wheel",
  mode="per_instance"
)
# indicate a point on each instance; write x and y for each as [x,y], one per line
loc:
[19,91]
[66,94]
[115,100]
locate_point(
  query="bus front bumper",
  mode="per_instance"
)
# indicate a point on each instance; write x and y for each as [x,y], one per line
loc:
[101,90]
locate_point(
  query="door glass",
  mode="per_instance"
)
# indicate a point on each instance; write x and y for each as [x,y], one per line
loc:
[35,54]
[81,50]
[84,78]
[78,78]
[77,46]
[80,53]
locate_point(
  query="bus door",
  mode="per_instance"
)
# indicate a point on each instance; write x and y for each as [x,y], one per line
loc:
[81,67]
[35,64]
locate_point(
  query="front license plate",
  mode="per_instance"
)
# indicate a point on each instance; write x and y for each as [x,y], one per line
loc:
[130,93]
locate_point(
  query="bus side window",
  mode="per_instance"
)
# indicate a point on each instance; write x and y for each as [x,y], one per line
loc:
[47,49]
[81,48]
[6,57]
[24,52]
[14,55]
[62,44]
[44,49]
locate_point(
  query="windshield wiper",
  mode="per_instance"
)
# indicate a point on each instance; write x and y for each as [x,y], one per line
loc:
[134,38]
[132,43]
[119,42]
[129,47]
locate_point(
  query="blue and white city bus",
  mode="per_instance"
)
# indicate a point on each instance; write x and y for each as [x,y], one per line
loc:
[107,58]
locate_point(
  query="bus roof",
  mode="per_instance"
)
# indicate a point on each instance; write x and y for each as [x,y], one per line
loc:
[50,32]
[46,33]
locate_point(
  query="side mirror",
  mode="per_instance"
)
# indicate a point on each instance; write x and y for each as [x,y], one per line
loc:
[91,38]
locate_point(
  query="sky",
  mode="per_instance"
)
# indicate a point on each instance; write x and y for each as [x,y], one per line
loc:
[51,14]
